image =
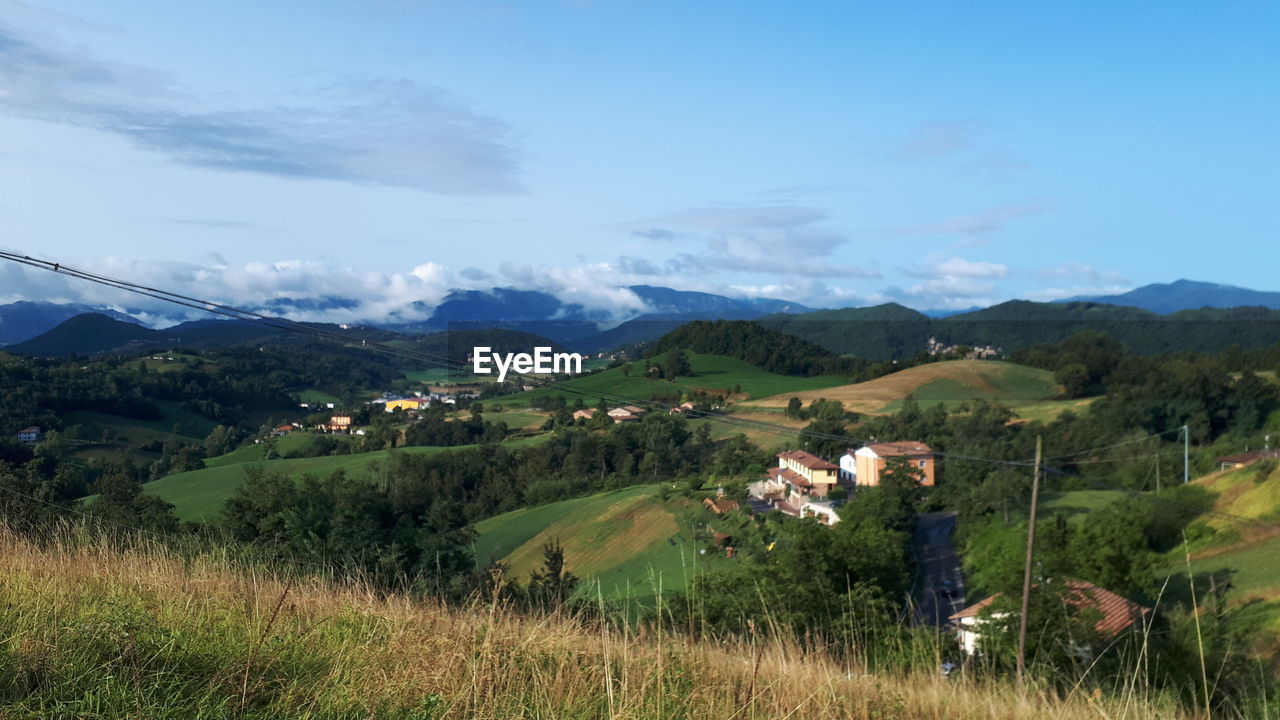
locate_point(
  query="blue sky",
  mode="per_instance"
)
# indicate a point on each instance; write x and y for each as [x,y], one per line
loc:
[942,155]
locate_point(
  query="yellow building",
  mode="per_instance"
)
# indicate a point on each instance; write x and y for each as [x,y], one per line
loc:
[406,404]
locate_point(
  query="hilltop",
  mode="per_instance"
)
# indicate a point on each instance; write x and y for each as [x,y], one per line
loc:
[950,382]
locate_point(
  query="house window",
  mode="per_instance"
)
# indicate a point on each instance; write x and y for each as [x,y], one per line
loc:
[922,464]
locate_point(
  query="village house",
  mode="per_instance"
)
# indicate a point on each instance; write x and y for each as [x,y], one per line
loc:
[583,414]
[870,461]
[338,423]
[1117,613]
[799,485]
[282,431]
[30,436]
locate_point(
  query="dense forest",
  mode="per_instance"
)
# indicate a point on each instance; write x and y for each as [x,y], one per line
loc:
[895,332]
[767,349]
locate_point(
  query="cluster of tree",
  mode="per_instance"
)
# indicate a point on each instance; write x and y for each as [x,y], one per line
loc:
[766,349]
[434,428]
[413,519]
[230,386]
[670,366]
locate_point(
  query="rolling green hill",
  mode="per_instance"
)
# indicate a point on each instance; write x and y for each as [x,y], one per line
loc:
[711,372]
[625,543]
[950,383]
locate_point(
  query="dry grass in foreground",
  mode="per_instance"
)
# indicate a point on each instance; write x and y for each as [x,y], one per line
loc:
[94,631]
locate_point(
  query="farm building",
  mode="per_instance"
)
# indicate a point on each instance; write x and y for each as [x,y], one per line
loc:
[626,413]
[413,403]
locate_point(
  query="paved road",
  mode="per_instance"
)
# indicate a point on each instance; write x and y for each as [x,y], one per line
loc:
[938,564]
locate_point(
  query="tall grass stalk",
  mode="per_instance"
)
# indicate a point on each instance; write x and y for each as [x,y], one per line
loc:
[94,627]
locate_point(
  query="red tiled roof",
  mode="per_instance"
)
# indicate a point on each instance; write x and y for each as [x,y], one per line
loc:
[790,476]
[974,609]
[722,506]
[1248,457]
[809,460]
[898,449]
[1118,613]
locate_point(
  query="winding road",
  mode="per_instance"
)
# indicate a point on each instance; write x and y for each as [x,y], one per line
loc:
[938,570]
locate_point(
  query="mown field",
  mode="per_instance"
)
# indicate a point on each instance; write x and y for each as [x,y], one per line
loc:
[951,383]
[711,372]
[623,543]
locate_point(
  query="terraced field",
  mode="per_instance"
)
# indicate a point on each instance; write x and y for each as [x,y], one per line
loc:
[627,543]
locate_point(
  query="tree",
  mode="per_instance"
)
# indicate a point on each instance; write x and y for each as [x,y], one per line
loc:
[552,585]
[794,408]
[676,365]
[1074,379]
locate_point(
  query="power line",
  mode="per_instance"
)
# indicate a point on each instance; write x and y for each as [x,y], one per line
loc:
[1116,445]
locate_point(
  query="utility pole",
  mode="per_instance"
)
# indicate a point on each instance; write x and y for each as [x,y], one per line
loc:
[1026,573]
[1186,454]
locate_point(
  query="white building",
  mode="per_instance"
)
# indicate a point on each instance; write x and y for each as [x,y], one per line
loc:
[849,467]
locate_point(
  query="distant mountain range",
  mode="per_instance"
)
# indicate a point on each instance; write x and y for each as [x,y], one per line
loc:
[1178,295]
[24,320]
[884,331]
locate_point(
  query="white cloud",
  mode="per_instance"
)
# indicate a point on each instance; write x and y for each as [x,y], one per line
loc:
[958,268]
[976,227]
[964,146]
[367,131]
[780,240]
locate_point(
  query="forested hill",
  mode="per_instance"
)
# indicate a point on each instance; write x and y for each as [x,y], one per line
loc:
[893,331]
[96,334]
[878,333]
[765,348]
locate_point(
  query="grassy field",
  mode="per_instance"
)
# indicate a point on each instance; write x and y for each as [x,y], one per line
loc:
[518,419]
[198,495]
[951,383]
[96,631]
[623,542]
[767,439]
[311,395]
[711,372]
[1244,553]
